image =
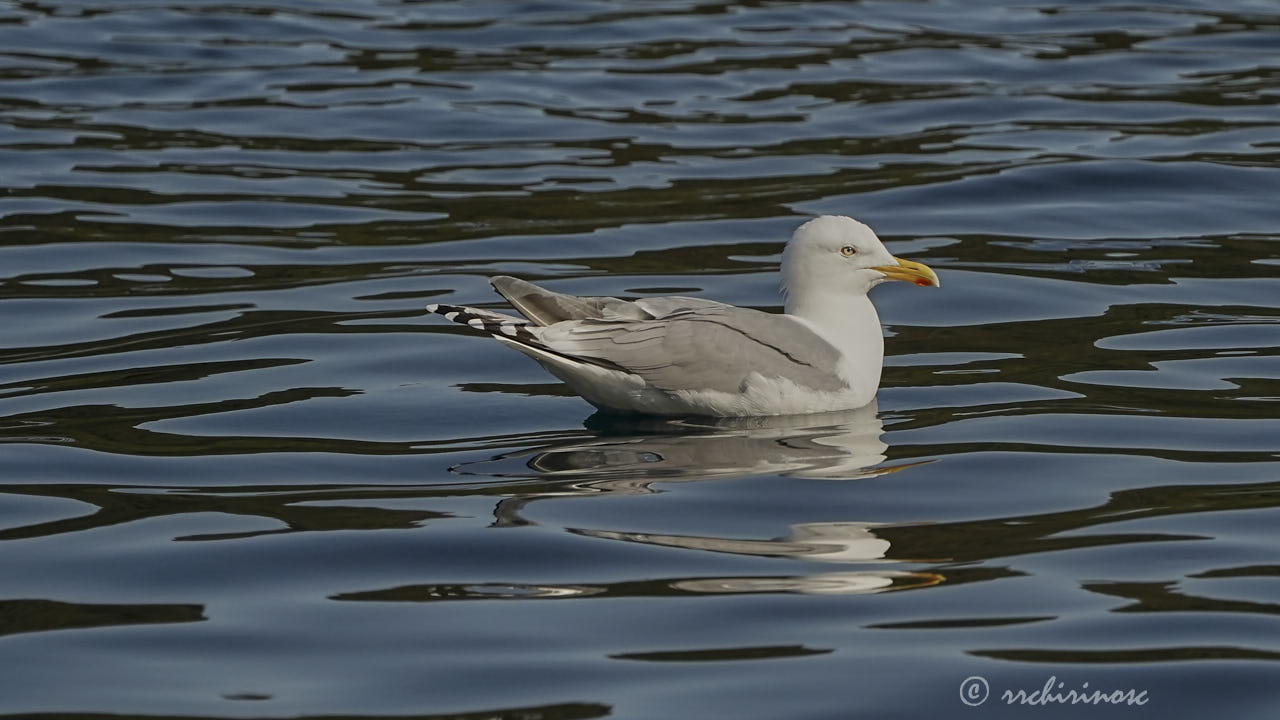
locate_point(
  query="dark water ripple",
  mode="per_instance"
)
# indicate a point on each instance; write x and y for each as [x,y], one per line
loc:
[243,475]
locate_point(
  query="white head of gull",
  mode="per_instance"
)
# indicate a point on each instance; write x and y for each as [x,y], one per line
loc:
[689,356]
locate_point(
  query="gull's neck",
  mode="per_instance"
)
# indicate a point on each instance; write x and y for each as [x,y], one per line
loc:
[847,320]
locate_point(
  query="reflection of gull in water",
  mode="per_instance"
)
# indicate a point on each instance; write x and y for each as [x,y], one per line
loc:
[631,455]
[832,583]
[827,542]
[829,445]
[836,542]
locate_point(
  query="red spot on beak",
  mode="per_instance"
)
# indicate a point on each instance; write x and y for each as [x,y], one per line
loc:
[923,282]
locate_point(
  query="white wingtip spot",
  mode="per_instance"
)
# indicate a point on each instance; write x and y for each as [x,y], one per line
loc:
[432,307]
[476,323]
[450,316]
[508,329]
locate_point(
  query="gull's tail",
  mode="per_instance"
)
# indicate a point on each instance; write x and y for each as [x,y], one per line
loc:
[494,323]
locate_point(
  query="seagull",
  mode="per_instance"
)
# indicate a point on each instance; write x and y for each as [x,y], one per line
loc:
[684,356]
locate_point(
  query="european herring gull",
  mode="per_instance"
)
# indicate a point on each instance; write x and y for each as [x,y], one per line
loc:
[679,356]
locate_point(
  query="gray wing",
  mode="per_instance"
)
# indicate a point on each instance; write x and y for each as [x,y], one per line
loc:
[546,307]
[708,348]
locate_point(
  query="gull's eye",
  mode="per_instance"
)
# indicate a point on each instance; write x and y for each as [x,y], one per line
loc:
[848,251]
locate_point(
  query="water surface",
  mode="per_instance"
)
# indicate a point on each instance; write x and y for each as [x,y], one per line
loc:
[244,474]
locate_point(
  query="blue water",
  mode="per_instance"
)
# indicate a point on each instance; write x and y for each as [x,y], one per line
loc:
[246,475]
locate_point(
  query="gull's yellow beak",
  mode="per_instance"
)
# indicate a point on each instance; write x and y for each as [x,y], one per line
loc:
[912,272]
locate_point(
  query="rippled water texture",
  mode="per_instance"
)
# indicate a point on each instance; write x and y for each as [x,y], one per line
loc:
[244,474]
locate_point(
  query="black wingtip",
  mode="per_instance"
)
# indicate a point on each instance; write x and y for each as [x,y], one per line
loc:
[495,324]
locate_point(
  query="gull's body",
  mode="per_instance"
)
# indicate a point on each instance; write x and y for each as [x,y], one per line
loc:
[689,356]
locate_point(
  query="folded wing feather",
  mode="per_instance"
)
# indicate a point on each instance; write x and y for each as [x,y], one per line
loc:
[715,348]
